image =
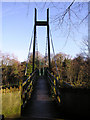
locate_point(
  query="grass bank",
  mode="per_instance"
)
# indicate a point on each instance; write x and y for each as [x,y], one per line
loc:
[11,104]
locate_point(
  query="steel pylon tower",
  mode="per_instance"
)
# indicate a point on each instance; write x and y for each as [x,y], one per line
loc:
[41,23]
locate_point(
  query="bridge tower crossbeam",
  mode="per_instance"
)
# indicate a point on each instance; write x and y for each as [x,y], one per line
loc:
[41,23]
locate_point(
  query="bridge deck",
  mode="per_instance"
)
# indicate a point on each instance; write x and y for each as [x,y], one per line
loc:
[41,105]
[75,103]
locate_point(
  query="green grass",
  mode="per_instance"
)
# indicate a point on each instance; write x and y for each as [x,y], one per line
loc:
[11,104]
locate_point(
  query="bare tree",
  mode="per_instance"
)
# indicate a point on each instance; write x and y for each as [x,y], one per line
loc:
[68,16]
[85,47]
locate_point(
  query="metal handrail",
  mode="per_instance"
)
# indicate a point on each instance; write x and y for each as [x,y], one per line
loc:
[28,78]
[26,89]
[51,74]
[51,80]
[54,86]
[26,81]
[68,85]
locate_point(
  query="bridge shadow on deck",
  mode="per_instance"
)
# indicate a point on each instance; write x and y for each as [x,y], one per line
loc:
[74,103]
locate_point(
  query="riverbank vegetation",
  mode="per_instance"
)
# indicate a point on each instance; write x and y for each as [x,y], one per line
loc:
[74,71]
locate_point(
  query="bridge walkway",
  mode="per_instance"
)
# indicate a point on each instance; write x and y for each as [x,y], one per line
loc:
[41,104]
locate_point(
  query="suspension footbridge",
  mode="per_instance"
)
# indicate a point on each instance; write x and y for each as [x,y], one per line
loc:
[42,95]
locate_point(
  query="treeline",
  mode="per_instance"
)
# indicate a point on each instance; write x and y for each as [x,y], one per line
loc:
[12,70]
[74,71]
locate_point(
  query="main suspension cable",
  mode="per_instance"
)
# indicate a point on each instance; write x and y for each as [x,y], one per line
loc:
[46,51]
[29,52]
[36,43]
[53,52]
